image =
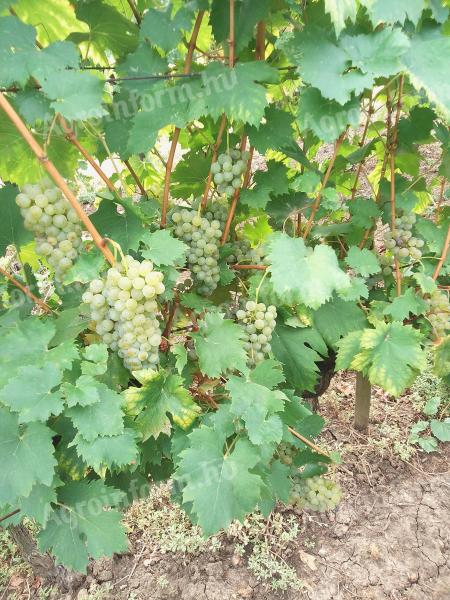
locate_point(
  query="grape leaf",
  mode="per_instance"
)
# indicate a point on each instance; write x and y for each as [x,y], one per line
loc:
[362,261]
[326,118]
[161,395]
[298,350]
[160,28]
[247,14]
[86,268]
[219,345]
[12,230]
[337,318]
[190,175]
[385,11]
[163,249]
[27,452]
[115,451]
[268,373]
[220,488]
[81,528]
[126,229]
[101,418]
[274,133]
[304,277]
[277,486]
[441,366]
[427,66]
[340,11]
[17,50]
[408,303]
[364,211]
[257,406]
[38,504]
[180,352]
[348,348]
[271,183]
[84,393]
[96,356]
[30,394]
[391,356]
[32,106]
[68,325]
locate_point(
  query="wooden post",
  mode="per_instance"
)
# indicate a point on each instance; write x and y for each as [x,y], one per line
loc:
[362,402]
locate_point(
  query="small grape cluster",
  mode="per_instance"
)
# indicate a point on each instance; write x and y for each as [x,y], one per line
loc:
[243,253]
[124,310]
[439,313]
[202,234]
[228,171]
[316,493]
[259,322]
[286,453]
[54,223]
[401,242]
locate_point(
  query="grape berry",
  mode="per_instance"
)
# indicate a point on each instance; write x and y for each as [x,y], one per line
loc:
[228,170]
[439,313]
[401,242]
[316,493]
[259,322]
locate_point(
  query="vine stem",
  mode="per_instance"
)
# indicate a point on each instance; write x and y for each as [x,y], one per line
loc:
[249,267]
[361,144]
[318,199]
[305,440]
[231,40]
[393,148]
[135,11]
[26,291]
[443,256]
[72,138]
[440,199]
[177,130]
[134,175]
[55,175]
[232,210]
[9,515]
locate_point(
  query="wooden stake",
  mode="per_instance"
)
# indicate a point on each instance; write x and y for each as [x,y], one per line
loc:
[362,402]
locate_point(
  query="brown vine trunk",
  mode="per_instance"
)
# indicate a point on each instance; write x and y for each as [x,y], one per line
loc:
[43,565]
[362,402]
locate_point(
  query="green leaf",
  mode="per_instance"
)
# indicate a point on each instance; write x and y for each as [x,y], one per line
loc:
[190,175]
[84,393]
[428,67]
[219,345]
[126,229]
[257,406]
[385,11]
[408,303]
[69,324]
[162,395]
[86,268]
[302,276]
[116,451]
[163,249]
[274,132]
[159,28]
[102,418]
[337,318]
[246,15]
[268,373]
[427,443]
[340,11]
[364,262]
[12,230]
[270,183]
[348,348]
[442,358]
[38,504]
[326,118]
[53,19]
[238,92]
[298,350]
[81,528]
[75,95]
[26,451]
[258,230]
[278,485]
[109,32]
[364,211]
[180,352]
[30,394]
[220,488]
[32,106]
[441,429]
[425,282]
[96,356]
[391,356]
[431,406]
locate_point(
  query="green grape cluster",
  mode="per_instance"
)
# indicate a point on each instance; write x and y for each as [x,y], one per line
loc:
[286,453]
[54,223]
[243,253]
[202,233]
[228,171]
[259,322]
[124,310]
[316,493]
[401,242]
[439,313]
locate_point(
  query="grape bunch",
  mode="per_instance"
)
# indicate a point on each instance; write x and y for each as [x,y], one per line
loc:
[316,493]
[439,313]
[243,253]
[401,242]
[228,171]
[54,223]
[123,307]
[202,234]
[286,453]
[259,322]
